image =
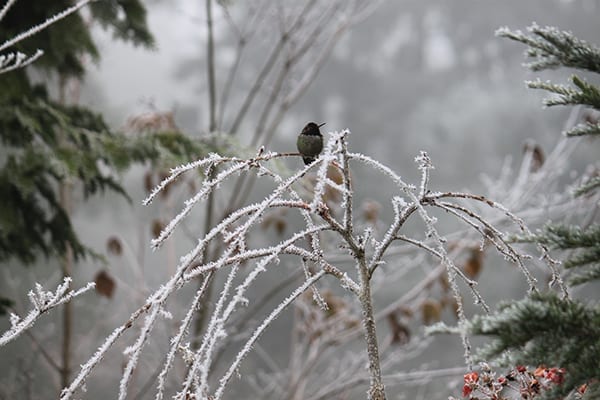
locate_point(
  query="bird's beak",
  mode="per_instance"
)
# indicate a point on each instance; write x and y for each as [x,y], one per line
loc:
[322,124]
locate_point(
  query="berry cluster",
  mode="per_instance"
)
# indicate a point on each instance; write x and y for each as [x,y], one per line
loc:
[518,383]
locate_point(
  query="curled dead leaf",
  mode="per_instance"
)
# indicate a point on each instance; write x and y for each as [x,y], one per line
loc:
[105,284]
[157,227]
[431,311]
[474,264]
[114,246]
[370,210]
[400,332]
[148,181]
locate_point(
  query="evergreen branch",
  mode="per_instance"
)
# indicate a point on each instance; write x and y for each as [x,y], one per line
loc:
[552,48]
[584,129]
[590,274]
[587,187]
[562,237]
[587,94]
[589,256]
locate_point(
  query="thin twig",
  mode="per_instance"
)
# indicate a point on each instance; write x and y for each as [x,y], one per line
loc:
[32,31]
[210,60]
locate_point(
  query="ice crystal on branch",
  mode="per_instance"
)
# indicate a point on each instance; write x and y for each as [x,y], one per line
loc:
[15,60]
[42,302]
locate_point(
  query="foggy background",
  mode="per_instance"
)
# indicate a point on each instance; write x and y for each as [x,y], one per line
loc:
[413,75]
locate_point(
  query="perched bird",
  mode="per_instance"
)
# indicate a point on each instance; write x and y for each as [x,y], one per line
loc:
[310,142]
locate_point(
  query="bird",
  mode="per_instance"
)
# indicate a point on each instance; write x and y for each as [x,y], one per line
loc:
[310,142]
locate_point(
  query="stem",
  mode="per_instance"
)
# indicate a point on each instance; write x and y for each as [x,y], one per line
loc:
[376,389]
[206,257]
[212,97]
[67,268]
[66,264]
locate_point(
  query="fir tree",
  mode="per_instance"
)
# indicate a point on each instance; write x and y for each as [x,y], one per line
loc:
[49,147]
[47,142]
[544,328]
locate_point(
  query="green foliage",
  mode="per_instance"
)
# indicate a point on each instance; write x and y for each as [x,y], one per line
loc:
[48,145]
[551,48]
[589,128]
[590,186]
[585,242]
[585,94]
[127,19]
[545,329]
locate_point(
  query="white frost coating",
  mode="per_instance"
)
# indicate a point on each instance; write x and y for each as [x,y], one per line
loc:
[6,7]
[12,61]
[383,168]
[263,205]
[136,349]
[42,302]
[40,27]
[272,316]
[214,331]
[424,165]
[232,233]
[324,160]
[86,368]
[207,187]
[212,159]
[176,340]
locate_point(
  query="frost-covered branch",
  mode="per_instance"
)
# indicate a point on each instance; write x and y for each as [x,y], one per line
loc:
[42,302]
[14,60]
[312,249]
[552,48]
